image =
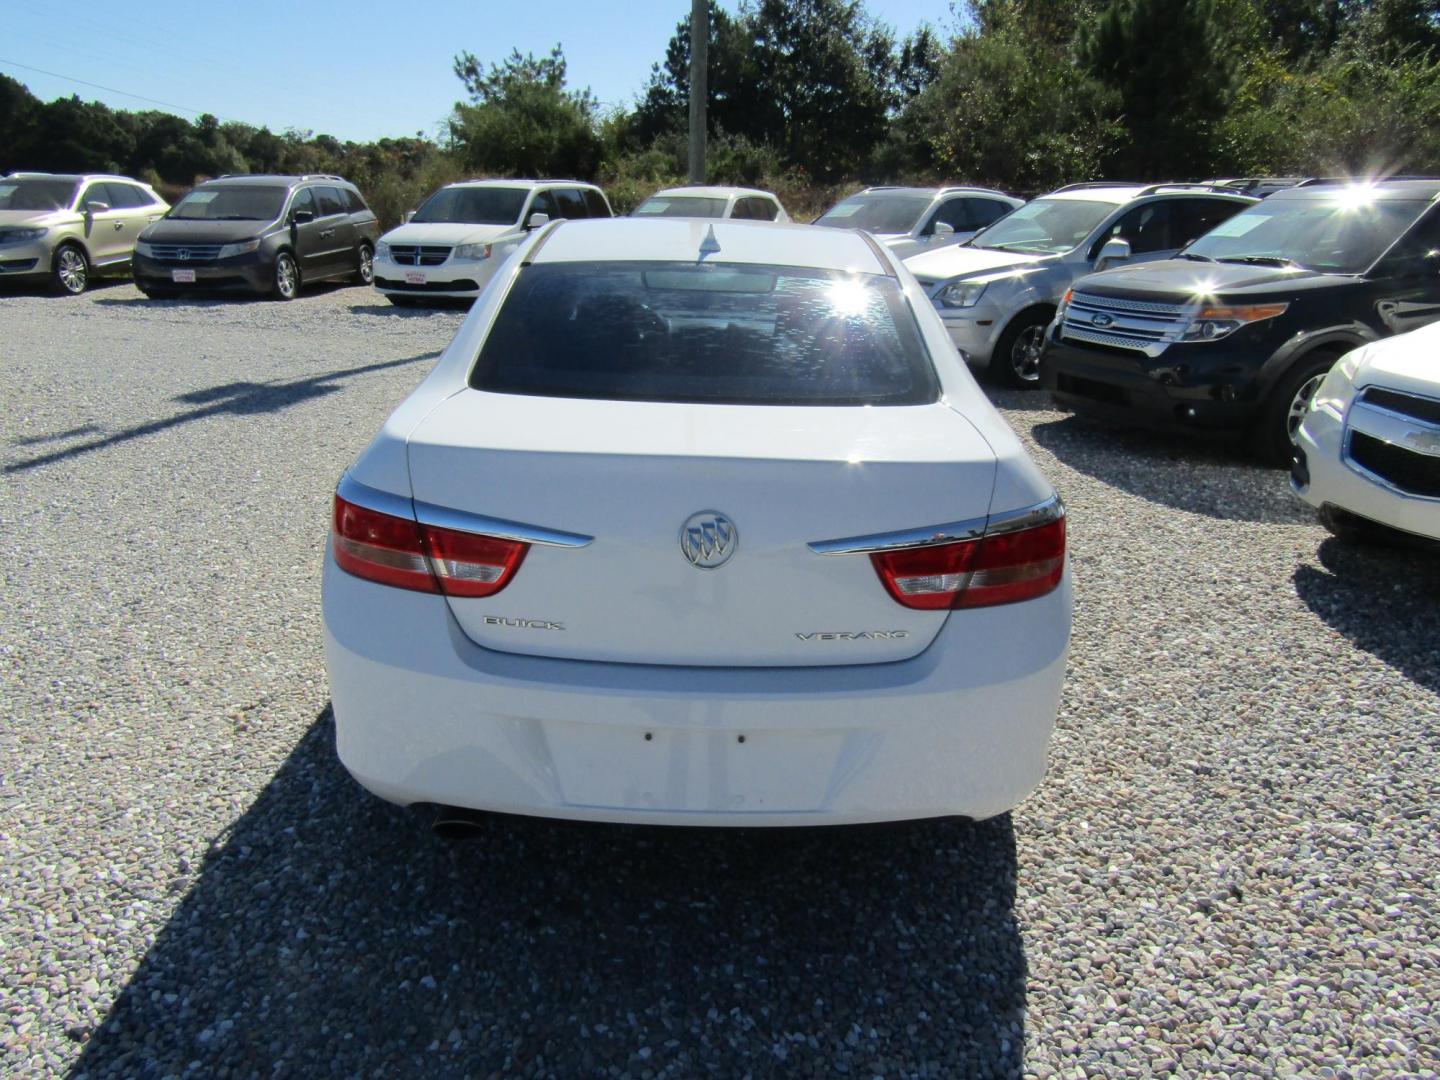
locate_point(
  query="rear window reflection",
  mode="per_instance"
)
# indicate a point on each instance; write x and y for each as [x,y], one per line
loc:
[718,333]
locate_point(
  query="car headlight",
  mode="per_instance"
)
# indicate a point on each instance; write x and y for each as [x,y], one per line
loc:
[244,248]
[382,249]
[962,294]
[20,236]
[472,251]
[1338,388]
[1215,321]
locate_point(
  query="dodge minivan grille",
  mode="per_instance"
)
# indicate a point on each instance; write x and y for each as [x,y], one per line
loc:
[419,254]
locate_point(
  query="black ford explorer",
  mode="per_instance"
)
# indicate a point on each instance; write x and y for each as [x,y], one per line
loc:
[1236,333]
[259,234]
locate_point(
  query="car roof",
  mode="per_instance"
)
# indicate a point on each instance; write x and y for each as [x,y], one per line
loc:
[712,191]
[271,179]
[763,243]
[1383,189]
[72,177]
[498,182]
[928,192]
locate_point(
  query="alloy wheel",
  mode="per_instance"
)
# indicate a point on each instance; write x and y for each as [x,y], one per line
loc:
[1025,353]
[1300,404]
[287,277]
[72,270]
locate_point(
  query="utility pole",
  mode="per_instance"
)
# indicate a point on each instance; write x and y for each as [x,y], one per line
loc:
[699,48]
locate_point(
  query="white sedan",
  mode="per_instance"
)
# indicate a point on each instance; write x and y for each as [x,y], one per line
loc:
[698,523]
[1368,451]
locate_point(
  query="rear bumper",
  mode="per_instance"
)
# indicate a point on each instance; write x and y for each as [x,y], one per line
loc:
[425,715]
[1332,481]
[1159,393]
[243,273]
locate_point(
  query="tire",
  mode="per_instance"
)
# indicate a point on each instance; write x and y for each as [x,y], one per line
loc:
[365,255]
[1273,436]
[1016,360]
[285,278]
[70,270]
[1351,528]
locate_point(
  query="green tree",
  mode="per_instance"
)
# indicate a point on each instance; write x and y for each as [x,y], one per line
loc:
[1174,73]
[522,119]
[1006,108]
[19,126]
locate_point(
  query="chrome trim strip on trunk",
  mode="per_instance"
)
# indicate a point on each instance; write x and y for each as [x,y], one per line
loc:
[351,490]
[973,529]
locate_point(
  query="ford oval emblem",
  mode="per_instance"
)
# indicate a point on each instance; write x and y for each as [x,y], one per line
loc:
[708,539]
[1100,319]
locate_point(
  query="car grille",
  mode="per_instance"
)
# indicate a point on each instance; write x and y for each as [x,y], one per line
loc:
[184,254]
[1426,410]
[458,285]
[1395,437]
[1137,325]
[418,254]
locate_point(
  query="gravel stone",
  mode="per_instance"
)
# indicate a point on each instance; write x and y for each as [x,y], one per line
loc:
[1231,869]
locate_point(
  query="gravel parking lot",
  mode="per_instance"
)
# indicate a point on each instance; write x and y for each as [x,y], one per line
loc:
[1231,870]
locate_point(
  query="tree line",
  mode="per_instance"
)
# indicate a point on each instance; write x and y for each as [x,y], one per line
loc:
[808,97]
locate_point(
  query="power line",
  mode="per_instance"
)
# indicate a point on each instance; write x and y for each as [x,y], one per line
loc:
[97,86]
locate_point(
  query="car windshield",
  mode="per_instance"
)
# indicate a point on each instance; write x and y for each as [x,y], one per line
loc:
[1342,234]
[713,333]
[238,202]
[1045,226]
[878,213]
[473,206]
[36,194]
[681,206]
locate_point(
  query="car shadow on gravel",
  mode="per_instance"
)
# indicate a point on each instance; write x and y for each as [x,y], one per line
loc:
[1198,476]
[1385,600]
[233,399]
[408,311]
[330,934]
[217,298]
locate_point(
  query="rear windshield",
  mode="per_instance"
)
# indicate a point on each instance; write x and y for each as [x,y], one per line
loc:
[714,333]
[36,194]
[473,206]
[681,206]
[240,202]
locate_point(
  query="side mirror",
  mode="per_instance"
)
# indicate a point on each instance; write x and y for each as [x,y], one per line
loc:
[300,217]
[406,216]
[537,219]
[1115,251]
[95,206]
[944,230]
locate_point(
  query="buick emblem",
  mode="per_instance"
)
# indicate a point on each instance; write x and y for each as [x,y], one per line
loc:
[1101,319]
[708,539]
[183,254]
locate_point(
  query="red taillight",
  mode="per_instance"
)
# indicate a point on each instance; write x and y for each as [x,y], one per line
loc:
[402,552]
[999,569]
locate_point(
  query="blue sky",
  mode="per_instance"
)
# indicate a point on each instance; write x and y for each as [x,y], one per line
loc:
[356,70]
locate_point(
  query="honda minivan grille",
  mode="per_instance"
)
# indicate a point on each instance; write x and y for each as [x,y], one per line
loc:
[185,253]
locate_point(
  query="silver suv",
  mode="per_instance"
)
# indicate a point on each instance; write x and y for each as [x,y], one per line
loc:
[998,291]
[69,228]
[909,220]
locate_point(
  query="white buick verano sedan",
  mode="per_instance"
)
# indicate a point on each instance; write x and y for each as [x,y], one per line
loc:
[698,523]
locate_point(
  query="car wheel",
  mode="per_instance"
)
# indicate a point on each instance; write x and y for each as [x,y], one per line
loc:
[287,277]
[71,270]
[1351,528]
[365,274]
[1016,362]
[1280,417]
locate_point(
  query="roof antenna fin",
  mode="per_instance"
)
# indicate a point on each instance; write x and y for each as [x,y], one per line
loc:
[710,245]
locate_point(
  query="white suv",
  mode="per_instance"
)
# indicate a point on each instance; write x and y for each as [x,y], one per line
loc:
[452,244]
[1368,452]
